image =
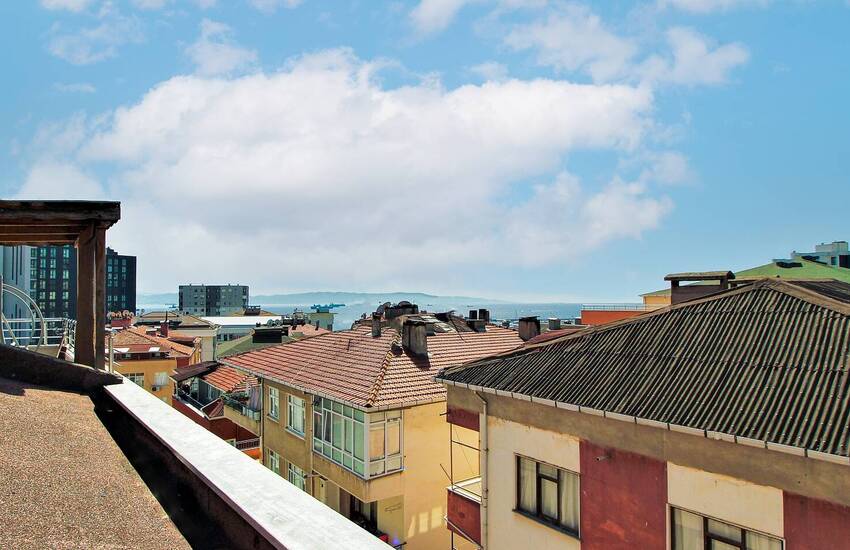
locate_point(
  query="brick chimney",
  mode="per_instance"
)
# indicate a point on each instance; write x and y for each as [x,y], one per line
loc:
[414,337]
[376,325]
[529,327]
[163,329]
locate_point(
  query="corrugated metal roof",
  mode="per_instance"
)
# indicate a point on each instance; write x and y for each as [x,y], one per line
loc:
[767,361]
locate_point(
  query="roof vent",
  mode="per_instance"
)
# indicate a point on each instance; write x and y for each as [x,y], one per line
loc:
[414,337]
[529,327]
[554,323]
[376,325]
[484,314]
[478,325]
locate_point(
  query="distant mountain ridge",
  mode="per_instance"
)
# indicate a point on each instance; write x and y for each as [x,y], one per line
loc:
[338,297]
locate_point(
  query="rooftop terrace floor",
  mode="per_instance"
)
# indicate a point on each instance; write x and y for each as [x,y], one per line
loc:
[65,483]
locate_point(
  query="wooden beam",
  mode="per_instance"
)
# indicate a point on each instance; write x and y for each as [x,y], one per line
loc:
[84,347]
[38,241]
[37,229]
[100,298]
[17,212]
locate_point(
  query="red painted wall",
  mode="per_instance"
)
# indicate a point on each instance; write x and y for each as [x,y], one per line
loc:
[623,500]
[593,317]
[465,514]
[812,524]
[462,417]
[222,427]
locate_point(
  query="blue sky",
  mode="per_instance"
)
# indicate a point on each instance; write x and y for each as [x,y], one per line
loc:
[510,148]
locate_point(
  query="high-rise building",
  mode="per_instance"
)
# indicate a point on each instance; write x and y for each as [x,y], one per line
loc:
[53,280]
[120,282]
[213,300]
[15,265]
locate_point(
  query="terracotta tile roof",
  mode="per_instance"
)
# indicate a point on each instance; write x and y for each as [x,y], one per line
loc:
[228,379]
[354,367]
[305,331]
[137,341]
[213,409]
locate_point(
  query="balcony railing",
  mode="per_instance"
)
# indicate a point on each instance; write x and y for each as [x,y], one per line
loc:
[33,333]
[248,444]
[241,406]
[185,397]
[618,307]
[469,488]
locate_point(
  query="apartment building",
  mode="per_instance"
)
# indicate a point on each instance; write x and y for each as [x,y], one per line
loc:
[184,326]
[148,358]
[836,254]
[120,282]
[212,300]
[15,265]
[720,422]
[355,418]
[203,391]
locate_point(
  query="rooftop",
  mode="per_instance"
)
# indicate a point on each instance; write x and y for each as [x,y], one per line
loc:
[136,340]
[366,371]
[183,320]
[53,443]
[765,362]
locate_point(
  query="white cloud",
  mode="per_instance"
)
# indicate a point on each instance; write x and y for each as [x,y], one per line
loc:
[573,38]
[69,5]
[435,15]
[49,180]
[710,6]
[490,70]
[270,6]
[150,4]
[75,87]
[215,52]
[97,43]
[205,4]
[317,175]
[694,60]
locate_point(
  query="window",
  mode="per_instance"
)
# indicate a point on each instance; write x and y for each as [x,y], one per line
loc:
[548,493]
[273,461]
[274,403]
[339,433]
[137,378]
[295,414]
[160,379]
[384,442]
[296,476]
[695,532]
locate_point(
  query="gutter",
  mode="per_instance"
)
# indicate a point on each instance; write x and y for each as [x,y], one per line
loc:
[708,434]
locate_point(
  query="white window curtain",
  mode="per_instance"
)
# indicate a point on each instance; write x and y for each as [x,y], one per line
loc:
[570,500]
[687,531]
[762,542]
[160,379]
[528,485]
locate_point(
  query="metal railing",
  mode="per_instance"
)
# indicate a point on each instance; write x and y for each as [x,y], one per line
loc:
[618,307]
[183,396]
[51,331]
[241,406]
[248,444]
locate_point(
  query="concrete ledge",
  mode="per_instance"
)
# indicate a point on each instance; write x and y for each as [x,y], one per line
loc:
[254,507]
[28,366]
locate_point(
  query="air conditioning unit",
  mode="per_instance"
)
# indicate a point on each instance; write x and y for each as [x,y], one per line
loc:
[155,388]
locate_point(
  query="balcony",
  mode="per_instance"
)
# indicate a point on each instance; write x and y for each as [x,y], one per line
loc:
[248,444]
[599,314]
[136,473]
[463,508]
[237,411]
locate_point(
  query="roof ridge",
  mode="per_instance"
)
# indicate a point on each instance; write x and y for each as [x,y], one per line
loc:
[379,380]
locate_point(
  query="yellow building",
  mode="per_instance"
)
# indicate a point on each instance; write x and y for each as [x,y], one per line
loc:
[148,359]
[186,326]
[355,418]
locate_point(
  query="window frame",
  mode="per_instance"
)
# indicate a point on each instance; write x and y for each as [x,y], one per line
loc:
[708,537]
[289,413]
[274,404]
[538,515]
[292,472]
[134,378]
[328,414]
[274,461]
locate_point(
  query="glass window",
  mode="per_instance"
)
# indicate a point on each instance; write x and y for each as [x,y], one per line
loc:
[137,378]
[339,435]
[295,414]
[274,403]
[274,461]
[160,379]
[694,532]
[548,493]
[296,476]
[376,441]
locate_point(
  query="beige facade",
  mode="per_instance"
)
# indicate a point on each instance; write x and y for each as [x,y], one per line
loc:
[151,371]
[408,505]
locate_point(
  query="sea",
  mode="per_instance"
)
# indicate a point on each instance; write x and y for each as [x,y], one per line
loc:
[346,315]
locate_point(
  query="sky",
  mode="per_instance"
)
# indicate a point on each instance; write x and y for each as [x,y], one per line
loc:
[516,149]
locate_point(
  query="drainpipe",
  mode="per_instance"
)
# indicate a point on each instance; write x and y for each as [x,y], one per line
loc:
[485,447]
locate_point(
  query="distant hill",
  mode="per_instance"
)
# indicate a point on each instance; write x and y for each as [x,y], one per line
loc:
[348,298]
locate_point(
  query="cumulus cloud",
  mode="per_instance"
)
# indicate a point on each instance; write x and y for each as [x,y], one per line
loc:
[319,175]
[150,4]
[215,52]
[490,70]
[710,6]
[69,5]
[435,15]
[49,180]
[87,45]
[573,38]
[694,59]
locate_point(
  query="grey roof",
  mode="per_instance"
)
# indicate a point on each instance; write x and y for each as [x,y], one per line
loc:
[768,361]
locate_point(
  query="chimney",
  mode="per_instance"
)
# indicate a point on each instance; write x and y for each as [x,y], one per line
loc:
[163,329]
[473,314]
[414,338]
[317,325]
[554,323]
[477,325]
[714,281]
[376,325]
[484,315]
[529,327]
[268,335]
